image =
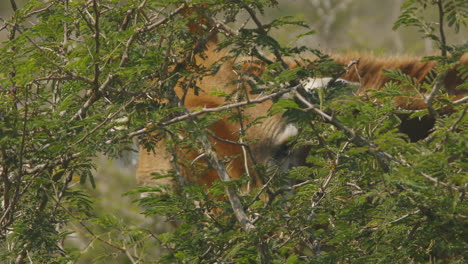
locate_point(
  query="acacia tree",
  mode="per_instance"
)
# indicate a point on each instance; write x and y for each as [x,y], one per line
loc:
[80,78]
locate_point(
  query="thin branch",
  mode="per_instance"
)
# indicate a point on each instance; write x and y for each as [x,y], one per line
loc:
[295,186]
[246,150]
[290,237]
[262,31]
[49,164]
[97,45]
[226,107]
[106,120]
[404,217]
[43,50]
[227,141]
[346,69]
[262,190]
[356,138]
[234,199]
[37,11]
[14,6]
[212,159]
[160,22]
[373,148]
[16,195]
[321,193]
[443,41]
[333,169]
[462,100]
[359,190]
[229,33]
[123,250]
[82,111]
[65,24]
[439,83]
[94,97]
[6,185]
[462,116]
[437,182]
[148,128]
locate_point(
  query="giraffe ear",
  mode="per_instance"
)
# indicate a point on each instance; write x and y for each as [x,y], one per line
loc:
[200,22]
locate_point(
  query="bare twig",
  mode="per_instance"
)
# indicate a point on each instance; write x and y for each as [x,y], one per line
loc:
[295,186]
[95,96]
[82,111]
[439,83]
[246,150]
[16,195]
[49,164]
[333,168]
[359,190]
[65,25]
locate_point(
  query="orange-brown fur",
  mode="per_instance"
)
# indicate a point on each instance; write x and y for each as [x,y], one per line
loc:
[224,129]
[369,73]
[369,76]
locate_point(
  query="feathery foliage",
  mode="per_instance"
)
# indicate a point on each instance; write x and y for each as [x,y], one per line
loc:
[82,78]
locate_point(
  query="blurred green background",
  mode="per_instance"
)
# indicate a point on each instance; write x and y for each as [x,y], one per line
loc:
[342,25]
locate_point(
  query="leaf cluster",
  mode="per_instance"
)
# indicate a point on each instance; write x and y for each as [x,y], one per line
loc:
[82,78]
